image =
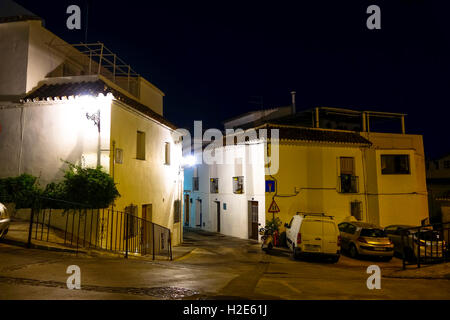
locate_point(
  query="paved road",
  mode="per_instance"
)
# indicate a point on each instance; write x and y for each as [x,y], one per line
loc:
[218,267]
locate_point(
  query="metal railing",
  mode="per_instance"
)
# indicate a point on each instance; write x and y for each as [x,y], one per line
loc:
[425,245]
[101,229]
[348,184]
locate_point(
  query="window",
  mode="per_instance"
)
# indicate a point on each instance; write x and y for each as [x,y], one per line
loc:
[348,184]
[118,158]
[347,166]
[395,164]
[176,211]
[372,233]
[195,186]
[214,186]
[238,185]
[447,164]
[348,180]
[390,230]
[356,210]
[140,146]
[131,214]
[167,154]
[342,227]
[351,229]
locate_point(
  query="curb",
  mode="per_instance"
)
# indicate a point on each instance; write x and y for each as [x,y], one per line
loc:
[40,247]
[445,277]
[184,255]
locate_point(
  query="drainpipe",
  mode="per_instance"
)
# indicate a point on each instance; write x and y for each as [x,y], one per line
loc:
[294,107]
[364,122]
[317,118]
[403,125]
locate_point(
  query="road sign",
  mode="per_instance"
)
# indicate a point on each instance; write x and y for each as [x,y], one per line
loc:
[274,207]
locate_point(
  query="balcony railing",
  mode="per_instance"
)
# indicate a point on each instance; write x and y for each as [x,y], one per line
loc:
[348,184]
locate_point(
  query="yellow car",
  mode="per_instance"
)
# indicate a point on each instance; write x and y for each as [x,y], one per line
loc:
[359,238]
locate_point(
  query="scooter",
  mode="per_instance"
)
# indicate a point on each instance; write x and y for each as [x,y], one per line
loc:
[267,239]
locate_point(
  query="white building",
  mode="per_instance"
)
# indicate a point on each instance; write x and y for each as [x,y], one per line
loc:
[61,103]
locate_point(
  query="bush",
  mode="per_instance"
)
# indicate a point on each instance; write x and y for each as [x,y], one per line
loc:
[81,188]
[20,190]
[88,187]
[273,225]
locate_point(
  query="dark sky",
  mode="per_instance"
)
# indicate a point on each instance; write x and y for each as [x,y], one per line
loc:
[211,58]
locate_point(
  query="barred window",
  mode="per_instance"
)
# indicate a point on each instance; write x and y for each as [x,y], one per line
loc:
[356,210]
[195,183]
[214,187]
[238,185]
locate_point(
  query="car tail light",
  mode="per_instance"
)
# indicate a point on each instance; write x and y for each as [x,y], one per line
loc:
[299,238]
[361,239]
[339,241]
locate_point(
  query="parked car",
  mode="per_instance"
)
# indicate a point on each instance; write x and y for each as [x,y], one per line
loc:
[431,244]
[359,238]
[313,234]
[4,221]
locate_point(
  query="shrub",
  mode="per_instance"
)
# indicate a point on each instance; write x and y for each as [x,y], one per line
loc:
[91,188]
[21,190]
[273,225]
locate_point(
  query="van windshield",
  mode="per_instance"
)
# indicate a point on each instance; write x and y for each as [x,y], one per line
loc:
[375,233]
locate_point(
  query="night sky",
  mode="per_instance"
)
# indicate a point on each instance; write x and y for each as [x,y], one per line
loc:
[212,59]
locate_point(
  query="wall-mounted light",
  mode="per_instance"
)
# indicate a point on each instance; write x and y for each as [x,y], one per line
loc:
[95,117]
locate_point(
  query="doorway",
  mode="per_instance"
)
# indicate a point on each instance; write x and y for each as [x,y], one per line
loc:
[218,216]
[253,220]
[198,213]
[186,209]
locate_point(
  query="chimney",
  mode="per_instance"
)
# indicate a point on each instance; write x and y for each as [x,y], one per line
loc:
[294,108]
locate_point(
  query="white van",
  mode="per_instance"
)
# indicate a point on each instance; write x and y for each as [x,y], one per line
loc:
[313,234]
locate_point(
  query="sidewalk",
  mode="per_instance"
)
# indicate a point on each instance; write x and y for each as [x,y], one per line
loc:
[435,271]
[18,236]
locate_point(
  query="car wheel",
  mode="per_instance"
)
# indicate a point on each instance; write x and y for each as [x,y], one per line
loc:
[353,251]
[335,259]
[386,259]
[293,254]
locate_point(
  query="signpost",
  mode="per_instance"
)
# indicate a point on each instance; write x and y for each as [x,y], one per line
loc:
[274,208]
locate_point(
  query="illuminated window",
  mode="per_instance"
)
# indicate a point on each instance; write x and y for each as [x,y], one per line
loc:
[167,154]
[395,164]
[140,146]
[214,185]
[238,185]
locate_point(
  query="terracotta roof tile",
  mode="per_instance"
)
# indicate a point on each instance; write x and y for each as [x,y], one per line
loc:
[92,88]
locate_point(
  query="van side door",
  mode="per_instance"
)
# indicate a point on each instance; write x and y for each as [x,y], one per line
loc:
[330,237]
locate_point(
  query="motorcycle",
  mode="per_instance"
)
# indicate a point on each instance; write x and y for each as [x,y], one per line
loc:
[268,240]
